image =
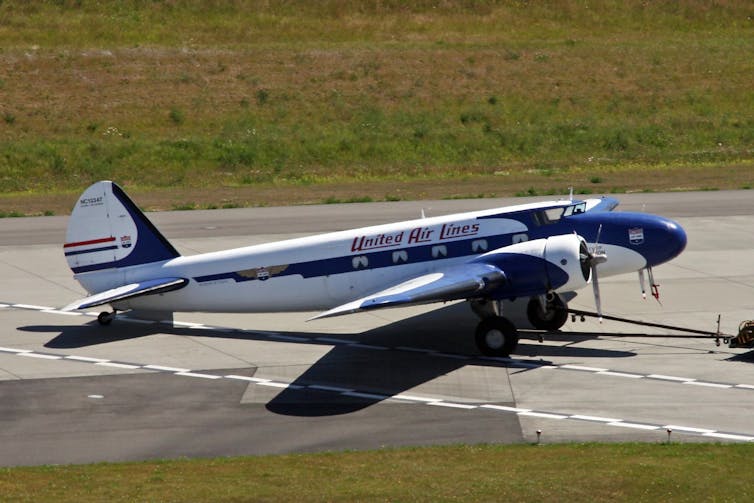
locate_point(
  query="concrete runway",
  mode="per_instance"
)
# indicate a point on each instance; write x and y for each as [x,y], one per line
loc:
[216,385]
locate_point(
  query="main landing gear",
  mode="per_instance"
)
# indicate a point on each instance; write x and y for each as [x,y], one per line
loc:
[495,335]
[548,312]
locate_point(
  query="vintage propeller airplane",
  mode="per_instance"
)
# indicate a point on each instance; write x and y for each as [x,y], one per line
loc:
[541,251]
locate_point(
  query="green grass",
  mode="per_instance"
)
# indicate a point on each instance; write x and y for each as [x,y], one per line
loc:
[571,472]
[293,95]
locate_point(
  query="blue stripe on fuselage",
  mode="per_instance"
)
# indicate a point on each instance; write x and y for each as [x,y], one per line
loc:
[376,260]
[662,240]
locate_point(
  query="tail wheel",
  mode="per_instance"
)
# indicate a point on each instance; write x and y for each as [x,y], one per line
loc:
[496,336]
[105,318]
[551,318]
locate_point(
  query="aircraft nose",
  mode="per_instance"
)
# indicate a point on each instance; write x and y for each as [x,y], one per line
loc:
[670,241]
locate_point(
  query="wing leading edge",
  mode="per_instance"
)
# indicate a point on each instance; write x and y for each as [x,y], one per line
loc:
[454,283]
[149,287]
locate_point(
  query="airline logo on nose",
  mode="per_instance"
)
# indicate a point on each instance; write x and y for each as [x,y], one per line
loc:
[636,236]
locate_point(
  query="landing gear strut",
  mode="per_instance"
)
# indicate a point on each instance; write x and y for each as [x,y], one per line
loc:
[551,316]
[496,336]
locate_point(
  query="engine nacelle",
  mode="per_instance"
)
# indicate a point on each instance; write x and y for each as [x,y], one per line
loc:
[558,263]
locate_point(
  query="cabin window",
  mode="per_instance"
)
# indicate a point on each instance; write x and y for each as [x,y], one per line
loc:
[439,251]
[400,256]
[359,262]
[479,245]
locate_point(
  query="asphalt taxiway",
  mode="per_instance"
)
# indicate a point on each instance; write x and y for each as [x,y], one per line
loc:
[72,391]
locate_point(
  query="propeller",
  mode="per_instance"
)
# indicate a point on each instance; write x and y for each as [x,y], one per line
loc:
[590,259]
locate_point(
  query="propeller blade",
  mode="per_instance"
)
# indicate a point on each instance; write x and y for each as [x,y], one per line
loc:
[596,289]
[597,241]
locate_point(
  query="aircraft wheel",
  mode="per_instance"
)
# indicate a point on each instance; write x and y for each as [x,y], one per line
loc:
[551,318]
[496,336]
[105,318]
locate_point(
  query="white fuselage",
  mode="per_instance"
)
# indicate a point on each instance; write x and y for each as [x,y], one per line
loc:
[319,272]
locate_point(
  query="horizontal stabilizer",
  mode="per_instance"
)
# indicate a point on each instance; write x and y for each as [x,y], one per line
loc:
[148,287]
[459,282]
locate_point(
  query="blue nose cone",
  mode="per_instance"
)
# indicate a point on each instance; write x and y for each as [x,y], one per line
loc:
[670,241]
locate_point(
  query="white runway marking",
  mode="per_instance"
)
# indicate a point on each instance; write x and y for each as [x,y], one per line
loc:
[40,355]
[669,378]
[118,365]
[195,374]
[637,426]
[13,350]
[709,384]
[546,415]
[596,419]
[86,359]
[440,403]
[165,369]
[334,389]
[409,398]
[620,374]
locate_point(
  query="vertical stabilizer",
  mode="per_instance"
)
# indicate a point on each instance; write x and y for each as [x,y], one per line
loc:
[106,230]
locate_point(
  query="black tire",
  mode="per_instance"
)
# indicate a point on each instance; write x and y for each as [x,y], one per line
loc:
[496,336]
[551,319]
[105,318]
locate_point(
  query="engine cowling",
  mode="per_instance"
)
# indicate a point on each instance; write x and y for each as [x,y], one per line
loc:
[570,254]
[558,263]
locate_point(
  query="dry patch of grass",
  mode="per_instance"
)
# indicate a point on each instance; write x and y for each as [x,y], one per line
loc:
[502,184]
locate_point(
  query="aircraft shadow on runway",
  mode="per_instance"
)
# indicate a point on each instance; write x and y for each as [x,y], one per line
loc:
[421,348]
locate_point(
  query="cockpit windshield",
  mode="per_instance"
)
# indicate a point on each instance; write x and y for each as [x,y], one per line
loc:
[574,209]
[553,215]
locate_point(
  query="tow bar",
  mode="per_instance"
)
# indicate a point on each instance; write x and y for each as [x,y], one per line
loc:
[744,339]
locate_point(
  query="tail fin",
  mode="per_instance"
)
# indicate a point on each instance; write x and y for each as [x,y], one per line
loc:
[106,230]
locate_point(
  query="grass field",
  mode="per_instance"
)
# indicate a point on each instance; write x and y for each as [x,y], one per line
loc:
[258,103]
[577,472]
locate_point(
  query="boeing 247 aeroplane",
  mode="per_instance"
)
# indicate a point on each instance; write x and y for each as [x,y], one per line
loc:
[540,251]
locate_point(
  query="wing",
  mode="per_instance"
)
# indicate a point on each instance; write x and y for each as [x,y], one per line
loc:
[453,283]
[148,287]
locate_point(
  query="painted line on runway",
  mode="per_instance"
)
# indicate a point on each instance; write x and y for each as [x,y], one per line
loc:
[85,359]
[596,419]
[403,397]
[511,362]
[14,350]
[119,365]
[453,405]
[710,384]
[40,355]
[199,375]
[32,307]
[669,378]
[162,368]
[640,426]
[333,389]
[620,374]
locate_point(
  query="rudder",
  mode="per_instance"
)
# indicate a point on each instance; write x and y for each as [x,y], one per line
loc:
[107,230]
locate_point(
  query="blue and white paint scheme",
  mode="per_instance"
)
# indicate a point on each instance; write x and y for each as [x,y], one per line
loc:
[541,251]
